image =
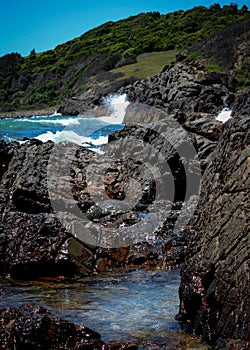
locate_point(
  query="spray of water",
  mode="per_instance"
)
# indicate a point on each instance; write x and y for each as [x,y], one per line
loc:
[118,105]
[224,115]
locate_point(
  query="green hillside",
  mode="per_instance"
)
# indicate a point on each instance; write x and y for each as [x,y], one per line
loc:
[44,79]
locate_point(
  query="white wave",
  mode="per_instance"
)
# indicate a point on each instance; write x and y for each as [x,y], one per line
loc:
[118,104]
[71,136]
[55,114]
[46,120]
[224,115]
[64,122]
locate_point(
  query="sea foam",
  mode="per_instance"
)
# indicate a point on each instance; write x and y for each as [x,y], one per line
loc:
[71,136]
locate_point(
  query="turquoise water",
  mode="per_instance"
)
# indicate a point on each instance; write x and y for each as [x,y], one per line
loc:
[128,306]
[85,130]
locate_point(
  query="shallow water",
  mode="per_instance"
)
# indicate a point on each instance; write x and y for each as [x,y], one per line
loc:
[131,306]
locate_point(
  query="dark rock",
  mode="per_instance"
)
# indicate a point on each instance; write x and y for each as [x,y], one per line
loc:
[112,191]
[35,246]
[241,105]
[214,295]
[210,128]
[6,153]
[33,243]
[87,101]
[33,327]
[183,87]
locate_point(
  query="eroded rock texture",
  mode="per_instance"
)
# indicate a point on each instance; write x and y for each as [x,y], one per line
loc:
[181,87]
[91,193]
[214,292]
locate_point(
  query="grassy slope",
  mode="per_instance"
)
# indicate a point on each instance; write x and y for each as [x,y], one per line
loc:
[147,65]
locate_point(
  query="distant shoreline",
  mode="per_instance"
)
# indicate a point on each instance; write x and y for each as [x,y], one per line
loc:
[27,114]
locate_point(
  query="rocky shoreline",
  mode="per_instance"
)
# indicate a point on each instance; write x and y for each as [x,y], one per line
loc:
[27,114]
[34,243]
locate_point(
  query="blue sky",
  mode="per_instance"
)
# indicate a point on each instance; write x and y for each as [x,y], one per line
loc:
[43,24]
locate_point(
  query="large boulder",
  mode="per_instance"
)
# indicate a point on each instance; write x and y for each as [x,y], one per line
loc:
[33,242]
[214,293]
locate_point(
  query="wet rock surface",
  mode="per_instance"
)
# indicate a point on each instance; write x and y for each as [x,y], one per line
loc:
[53,233]
[33,327]
[214,294]
[58,203]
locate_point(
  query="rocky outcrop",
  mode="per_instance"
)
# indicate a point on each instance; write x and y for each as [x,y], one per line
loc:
[33,243]
[33,327]
[214,293]
[241,104]
[41,235]
[183,87]
[92,100]
[39,238]
[207,127]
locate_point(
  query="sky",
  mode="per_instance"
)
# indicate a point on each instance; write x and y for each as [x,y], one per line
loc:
[44,24]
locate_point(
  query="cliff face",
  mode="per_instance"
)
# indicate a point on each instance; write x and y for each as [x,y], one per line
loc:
[214,294]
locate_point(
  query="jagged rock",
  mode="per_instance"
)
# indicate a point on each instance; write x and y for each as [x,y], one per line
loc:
[214,294]
[241,105]
[33,242]
[112,191]
[89,102]
[33,327]
[183,87]
[210,128]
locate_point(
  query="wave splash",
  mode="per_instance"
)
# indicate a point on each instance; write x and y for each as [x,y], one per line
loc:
[118,105]
[91,132]
[224,115]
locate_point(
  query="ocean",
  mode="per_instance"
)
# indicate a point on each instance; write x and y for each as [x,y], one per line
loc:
[91,132]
